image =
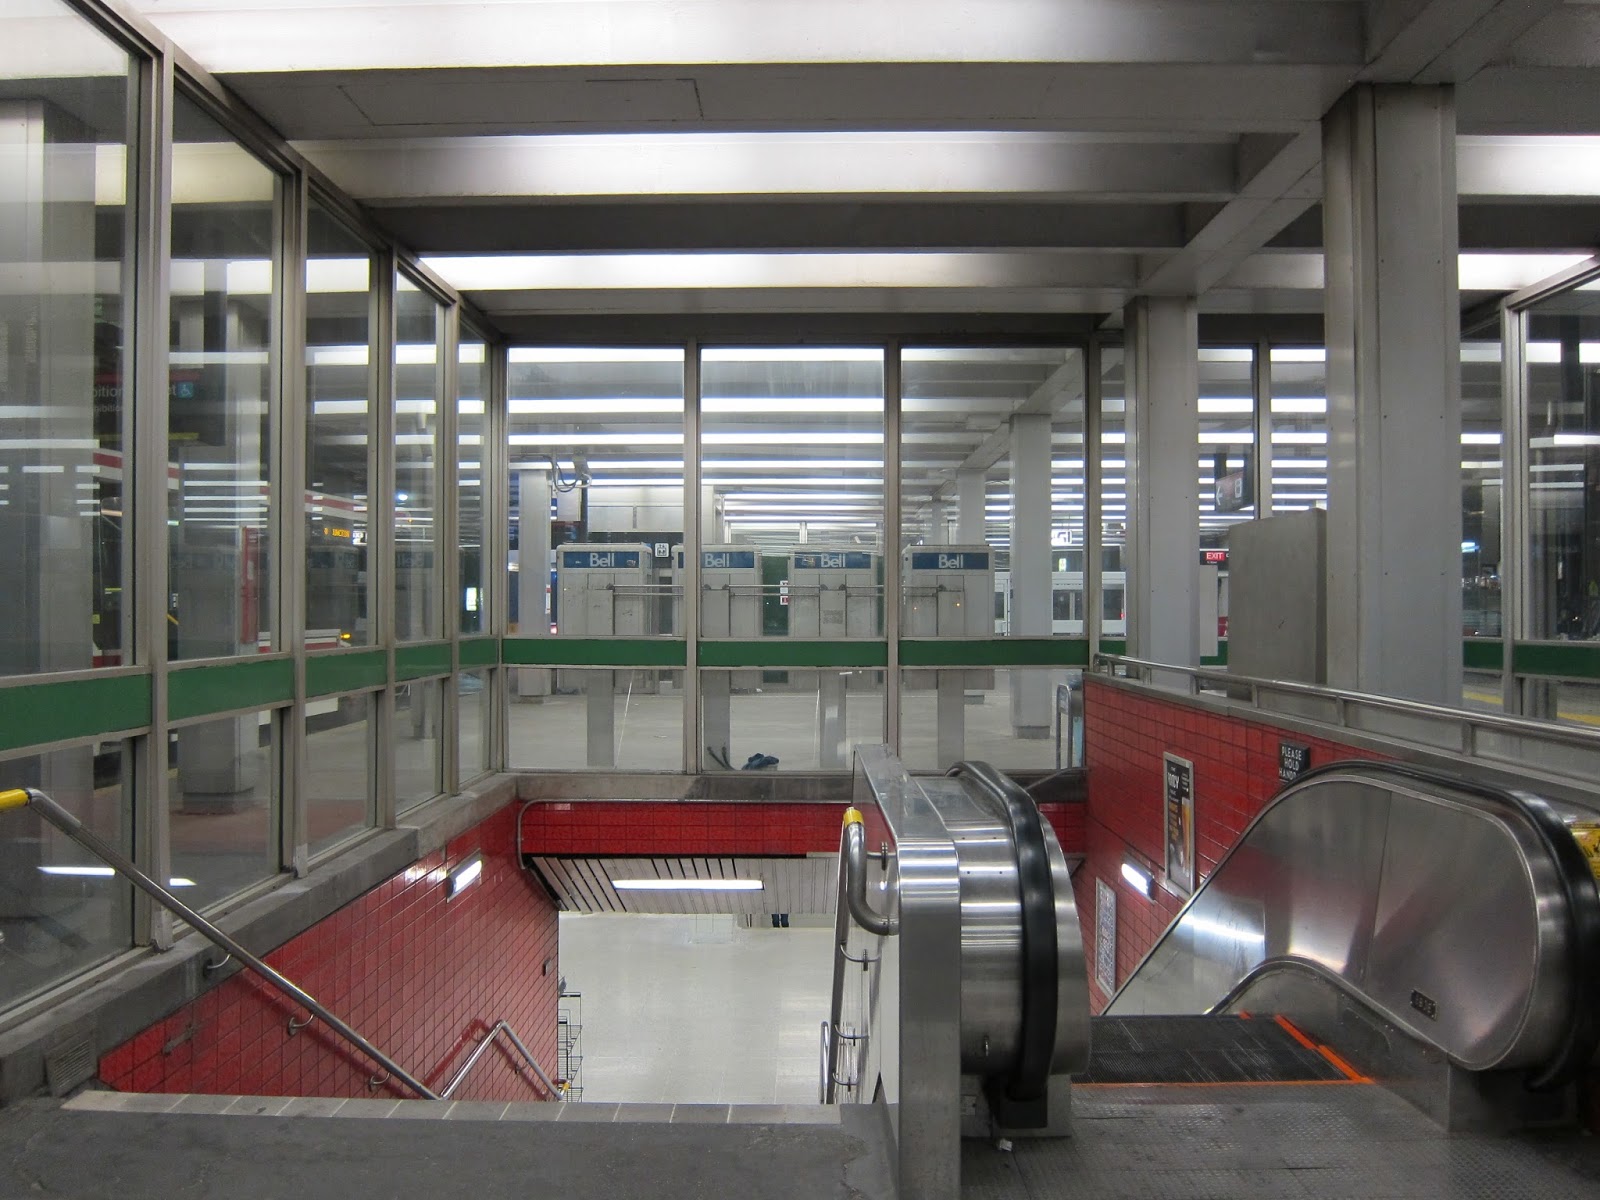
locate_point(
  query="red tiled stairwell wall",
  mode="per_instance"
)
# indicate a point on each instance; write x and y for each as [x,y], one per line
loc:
[419,975]
[1126,732]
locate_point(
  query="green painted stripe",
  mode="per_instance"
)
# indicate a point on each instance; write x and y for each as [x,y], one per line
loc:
[346,671]
[996,652]
[35,713]
[1566,660]
[480,652]
[594,652]
[780,653]
[413,662]
[1113,645]
[225,687]
[1483,654]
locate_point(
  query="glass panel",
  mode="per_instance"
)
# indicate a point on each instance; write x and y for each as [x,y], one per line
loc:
[474,694]
[788,720]
[222,343]
[418,766]
[417,387]
[947,716]
[1481,691]
[64,910]
[1299,423]
[1114,564]
[961,524]
[1563,394]
[65,324]
[339,754]
[339,432]
[1482,390]
[596,444]
[1577,703]
[793,462]
[472,394]
[224,828]
[1227,441]
[629,720]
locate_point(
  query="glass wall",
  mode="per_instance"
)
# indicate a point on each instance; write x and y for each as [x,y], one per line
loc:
[220,397]
[419,755]
[1115,562]
[473,716]
[1563,406]
[340,433]
[1298,425]
[596,446]
[472,394]
[340,792]
[418,391]
[223,816]
[596,719]
[64,911]
[65,219]
[1482,491]
[992,531]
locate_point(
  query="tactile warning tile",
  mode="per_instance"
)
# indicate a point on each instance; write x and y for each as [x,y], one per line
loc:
[1200,1050]
[1287,1142]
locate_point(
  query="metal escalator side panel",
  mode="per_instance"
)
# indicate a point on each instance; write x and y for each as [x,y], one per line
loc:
[1072,969]
[1437,906]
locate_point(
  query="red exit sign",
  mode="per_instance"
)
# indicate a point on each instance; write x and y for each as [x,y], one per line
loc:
[1214,558]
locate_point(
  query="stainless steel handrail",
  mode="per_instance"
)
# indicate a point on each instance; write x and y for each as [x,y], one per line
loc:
[114,858]
[483,1046]
[855,870]
[1522,726]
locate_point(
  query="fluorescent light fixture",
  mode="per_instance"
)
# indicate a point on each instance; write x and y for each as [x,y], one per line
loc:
[1136,878]
[687,885]
[464,874]
[92,872]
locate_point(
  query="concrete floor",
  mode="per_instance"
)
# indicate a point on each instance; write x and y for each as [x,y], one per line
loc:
[273,1149]
[549,733]
[698,1009]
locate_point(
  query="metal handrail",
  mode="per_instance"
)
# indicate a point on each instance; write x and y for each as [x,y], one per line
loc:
[1523,726]
[478,1051]
[117,861]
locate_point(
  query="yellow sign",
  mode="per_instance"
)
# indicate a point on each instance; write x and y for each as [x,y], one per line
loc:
[1587,835]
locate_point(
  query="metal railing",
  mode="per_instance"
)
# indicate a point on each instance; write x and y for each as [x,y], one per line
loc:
[68,824]
[478,1051]
[1518,741]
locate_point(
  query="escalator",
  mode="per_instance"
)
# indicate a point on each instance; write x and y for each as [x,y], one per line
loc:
[1378,931]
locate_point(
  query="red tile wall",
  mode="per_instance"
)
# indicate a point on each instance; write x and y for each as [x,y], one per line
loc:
[1235,774]
[418,975]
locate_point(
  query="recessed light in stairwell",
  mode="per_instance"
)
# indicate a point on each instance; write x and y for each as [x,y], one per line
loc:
[464,875]
[687,885]
[1137,879]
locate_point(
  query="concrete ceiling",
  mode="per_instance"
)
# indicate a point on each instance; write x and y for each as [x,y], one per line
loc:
[652,163]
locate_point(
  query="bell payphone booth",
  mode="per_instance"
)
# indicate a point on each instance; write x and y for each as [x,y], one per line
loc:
[605,590]
[948,592]
[834,594]
[730,607]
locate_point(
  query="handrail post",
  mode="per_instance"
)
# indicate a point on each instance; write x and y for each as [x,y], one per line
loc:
[68,824]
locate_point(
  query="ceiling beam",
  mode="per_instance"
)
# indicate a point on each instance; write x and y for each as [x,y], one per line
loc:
[1063,386]
[1285,187]
[840,165]
[1444,41]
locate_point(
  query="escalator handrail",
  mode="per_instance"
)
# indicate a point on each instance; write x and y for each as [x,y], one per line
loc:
[1580,894]
[1030,1073]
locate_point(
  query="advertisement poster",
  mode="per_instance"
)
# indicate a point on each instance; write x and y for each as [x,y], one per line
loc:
[1180,823]
[1105,936]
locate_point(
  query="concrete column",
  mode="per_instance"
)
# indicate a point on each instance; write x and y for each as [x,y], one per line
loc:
[1030,566]
[1394,416]
[533,572]
[1163,344]
[969,508]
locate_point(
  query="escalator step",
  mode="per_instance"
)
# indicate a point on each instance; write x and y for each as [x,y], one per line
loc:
[1201,1050]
